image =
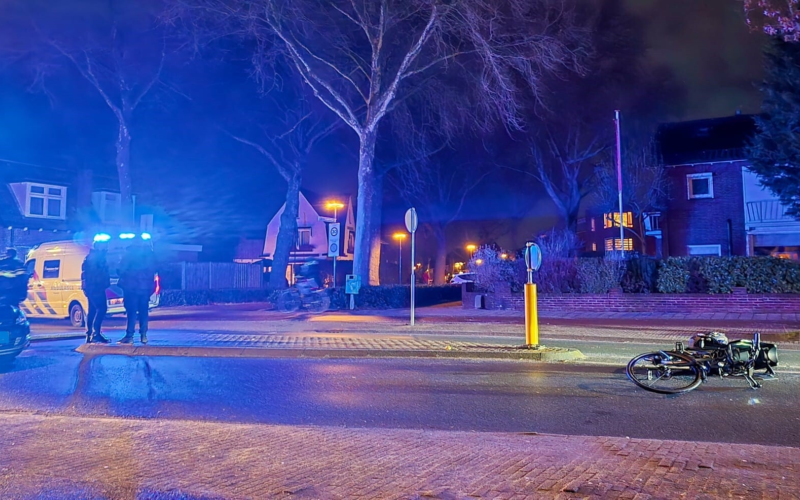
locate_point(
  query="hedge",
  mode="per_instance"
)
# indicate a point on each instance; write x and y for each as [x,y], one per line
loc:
[369,297]
[722,274]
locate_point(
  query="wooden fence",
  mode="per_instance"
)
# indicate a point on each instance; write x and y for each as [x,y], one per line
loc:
[211,276]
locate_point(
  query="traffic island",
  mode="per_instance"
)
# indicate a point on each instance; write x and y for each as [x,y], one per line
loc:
[232,346]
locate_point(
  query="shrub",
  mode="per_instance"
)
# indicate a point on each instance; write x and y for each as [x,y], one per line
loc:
[722,274]
[599,275]
[171,298]
[492,272]
[641,275]
[557,275]
[396,296]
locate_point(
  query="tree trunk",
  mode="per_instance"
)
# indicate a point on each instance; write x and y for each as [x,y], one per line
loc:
[286,234]
[441,255]
[375,238]
[124,170]
[368,196]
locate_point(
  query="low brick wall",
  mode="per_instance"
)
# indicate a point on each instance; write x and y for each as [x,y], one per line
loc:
[738,301]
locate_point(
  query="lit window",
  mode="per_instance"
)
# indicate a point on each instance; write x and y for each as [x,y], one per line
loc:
[700,185]
[591,223]
[612,219]
[594,247]
[49,202]
[612,244]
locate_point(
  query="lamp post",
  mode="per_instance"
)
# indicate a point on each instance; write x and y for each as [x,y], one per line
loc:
[400,237]
[335,206]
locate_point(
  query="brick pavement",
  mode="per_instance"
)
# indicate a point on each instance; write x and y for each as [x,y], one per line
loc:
[76,457]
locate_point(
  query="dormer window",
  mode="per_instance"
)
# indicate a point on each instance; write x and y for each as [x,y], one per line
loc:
[108,206]
[45,201]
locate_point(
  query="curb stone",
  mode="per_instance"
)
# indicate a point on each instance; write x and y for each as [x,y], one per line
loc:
[543,354]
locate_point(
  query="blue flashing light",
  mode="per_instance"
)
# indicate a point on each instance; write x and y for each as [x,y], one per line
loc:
[127,236]
[146,236]
[102,237]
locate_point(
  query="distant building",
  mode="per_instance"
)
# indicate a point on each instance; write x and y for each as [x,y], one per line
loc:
[40,204]
[311,239]
[716,206]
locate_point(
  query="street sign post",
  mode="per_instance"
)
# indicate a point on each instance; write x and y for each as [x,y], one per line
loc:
[352,286]
[411,224]
[533,261]
[333,246]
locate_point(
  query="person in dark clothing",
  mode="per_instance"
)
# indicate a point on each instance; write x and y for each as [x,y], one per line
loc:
[95,279]
[137,280]
[10,262]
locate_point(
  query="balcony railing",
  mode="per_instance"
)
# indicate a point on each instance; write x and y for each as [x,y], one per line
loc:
[768,211]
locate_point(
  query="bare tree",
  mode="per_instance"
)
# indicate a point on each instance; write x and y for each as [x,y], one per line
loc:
[439,193]
[565,164]
[644,188]
[361,58]
[120,52]
[779,18]
[289,133]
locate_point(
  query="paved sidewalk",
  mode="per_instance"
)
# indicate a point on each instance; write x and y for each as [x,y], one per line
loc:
[74,457]
[182,343]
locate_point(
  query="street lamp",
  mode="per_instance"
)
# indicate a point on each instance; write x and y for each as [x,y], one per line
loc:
[335,206]
[471,249]
[400,237]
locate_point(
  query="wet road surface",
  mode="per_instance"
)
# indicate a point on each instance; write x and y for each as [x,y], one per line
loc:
[397,393]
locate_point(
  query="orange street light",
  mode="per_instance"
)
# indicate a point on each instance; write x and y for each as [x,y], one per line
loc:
[479,261]
[399,237]
[335,206]
[503,256]
[471,248]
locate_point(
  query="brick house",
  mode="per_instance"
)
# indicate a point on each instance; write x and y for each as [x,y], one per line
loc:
[598,232]
[40,204]
[716,205]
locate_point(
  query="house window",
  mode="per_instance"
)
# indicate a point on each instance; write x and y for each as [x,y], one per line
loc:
[351,242]
[715,250]
[612,219]
[594,247]
[303,237]
[592,224]
[612,244]
[46,201]
[700,185]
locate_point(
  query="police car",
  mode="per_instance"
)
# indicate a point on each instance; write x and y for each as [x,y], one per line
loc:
[54,289]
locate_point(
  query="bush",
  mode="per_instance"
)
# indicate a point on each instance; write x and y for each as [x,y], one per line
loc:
[641,275]
[171,298]
[557,275]
[599,275]
[492,272]
[722,274]
[396,296]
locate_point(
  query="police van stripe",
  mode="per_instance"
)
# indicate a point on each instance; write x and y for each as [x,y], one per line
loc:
[25,309]
[44,302]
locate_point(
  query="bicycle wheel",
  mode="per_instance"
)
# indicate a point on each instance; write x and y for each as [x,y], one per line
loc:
[664,372]
[289,301]
[318,302]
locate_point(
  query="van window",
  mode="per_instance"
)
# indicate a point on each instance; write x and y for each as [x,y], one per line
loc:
[30,266]
[51,269]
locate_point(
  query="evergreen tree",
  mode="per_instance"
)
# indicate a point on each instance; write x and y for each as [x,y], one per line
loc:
[775,150]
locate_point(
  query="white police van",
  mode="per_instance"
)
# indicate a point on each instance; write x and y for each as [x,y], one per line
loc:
[54,289]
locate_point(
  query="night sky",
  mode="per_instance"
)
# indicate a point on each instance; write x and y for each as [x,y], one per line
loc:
[704,43]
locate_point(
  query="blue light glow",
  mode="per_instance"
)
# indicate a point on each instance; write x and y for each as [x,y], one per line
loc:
[102,237]
[146,236]
[127,236]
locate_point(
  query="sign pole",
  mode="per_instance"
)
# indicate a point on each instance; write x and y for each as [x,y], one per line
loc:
[413,276]
[336,219]
[411,224]
[619,186]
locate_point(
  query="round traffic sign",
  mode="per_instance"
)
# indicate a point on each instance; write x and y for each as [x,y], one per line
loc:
[412,221]
[334,231]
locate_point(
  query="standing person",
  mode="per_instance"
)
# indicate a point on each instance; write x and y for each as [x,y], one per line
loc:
[95,279]
[137,280]
[10,262]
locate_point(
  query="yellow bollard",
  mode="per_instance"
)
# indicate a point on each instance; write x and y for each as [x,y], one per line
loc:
[531,316]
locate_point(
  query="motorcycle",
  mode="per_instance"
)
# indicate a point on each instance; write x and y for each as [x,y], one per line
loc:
[686,367]
[304,294]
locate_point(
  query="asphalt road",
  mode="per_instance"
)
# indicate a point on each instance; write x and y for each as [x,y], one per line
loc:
[398,393]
